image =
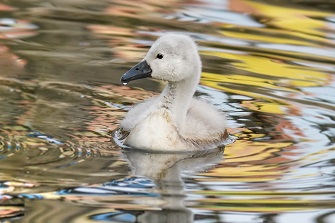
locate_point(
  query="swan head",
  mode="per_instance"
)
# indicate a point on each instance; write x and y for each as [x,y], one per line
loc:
[173,58]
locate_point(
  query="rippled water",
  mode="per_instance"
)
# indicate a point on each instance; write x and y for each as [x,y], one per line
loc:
[269,65]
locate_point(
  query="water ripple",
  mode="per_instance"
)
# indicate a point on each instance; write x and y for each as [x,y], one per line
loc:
[269,66]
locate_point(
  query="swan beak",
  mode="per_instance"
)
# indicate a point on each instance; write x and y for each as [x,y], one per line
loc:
[139,71]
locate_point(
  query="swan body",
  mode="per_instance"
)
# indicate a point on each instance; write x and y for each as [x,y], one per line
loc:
[173,121]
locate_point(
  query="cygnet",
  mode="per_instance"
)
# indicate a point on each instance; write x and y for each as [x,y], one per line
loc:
[174,120]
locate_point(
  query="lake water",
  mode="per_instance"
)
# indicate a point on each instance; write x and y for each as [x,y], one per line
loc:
[270,65]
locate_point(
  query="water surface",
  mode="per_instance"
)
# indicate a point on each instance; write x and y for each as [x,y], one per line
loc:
[268,64]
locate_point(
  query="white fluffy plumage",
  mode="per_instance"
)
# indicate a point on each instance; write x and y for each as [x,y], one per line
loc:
[174,121]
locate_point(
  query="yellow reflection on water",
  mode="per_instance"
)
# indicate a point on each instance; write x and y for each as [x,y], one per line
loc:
[263,76]
[271,73]
[268,205]
[290,18]
[250,161]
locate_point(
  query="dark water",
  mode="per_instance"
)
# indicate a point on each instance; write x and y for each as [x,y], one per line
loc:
[269,65]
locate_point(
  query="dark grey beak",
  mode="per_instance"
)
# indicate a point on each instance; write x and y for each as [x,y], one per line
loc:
[139,71]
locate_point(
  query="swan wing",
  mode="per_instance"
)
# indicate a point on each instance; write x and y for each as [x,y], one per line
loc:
[138,113]
[204,121]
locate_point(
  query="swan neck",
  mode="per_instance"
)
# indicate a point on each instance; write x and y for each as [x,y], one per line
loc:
[177,97]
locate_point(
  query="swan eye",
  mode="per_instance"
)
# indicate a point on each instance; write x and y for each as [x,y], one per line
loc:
[159,56]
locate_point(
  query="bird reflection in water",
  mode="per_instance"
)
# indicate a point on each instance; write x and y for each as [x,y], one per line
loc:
[165,169]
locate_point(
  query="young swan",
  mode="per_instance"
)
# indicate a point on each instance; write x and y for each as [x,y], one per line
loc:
[173,121]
